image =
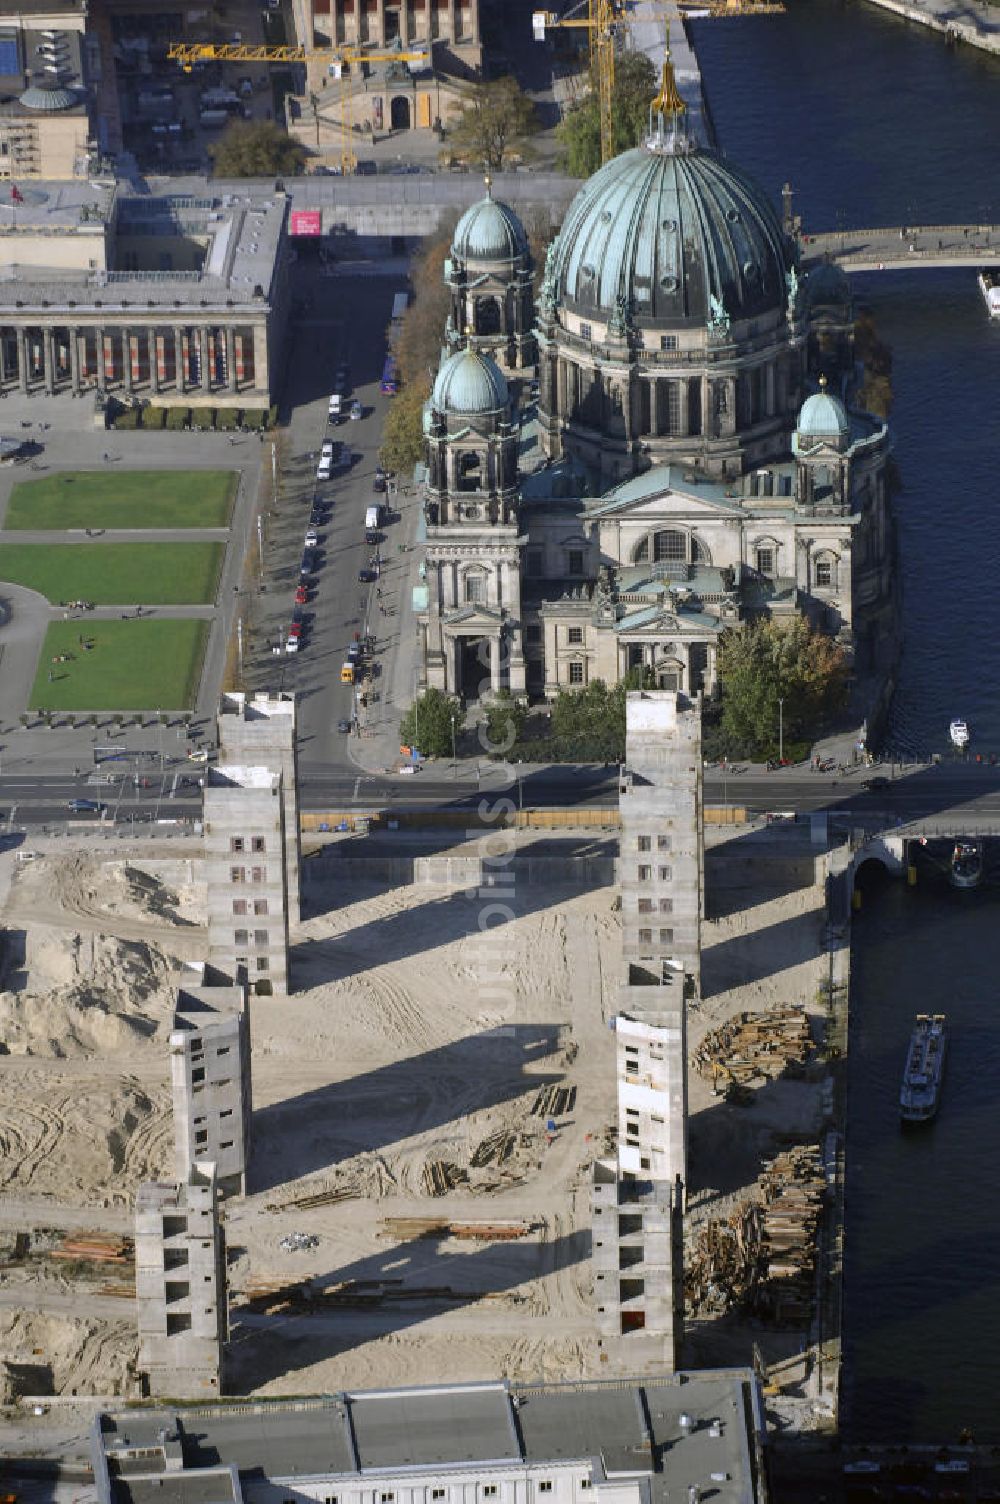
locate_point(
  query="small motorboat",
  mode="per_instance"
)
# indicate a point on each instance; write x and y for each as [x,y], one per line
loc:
[966,870]
[959,733]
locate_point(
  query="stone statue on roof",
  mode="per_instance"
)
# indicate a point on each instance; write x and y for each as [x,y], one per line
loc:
[547,293]
[718,318]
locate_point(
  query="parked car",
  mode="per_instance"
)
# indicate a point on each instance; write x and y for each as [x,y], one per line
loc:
[327,451]
[308,566]
[367,576]
[81,806]
[344,726]
[334,408]
[302,595]
[296,629]
[323,470]
[878,782]
[357,411]
[312,538]
[379,483]
[292,645]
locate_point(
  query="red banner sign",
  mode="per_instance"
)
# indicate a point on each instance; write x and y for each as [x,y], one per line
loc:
[307,222]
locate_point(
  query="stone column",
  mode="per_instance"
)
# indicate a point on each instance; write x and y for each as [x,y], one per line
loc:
[230,359]
[769,389]
[74,361]
[654,409]
[49,360]
[153,345]
[683,418]
[495,663]
[206,369]
[404,33]
[729,418]
[179,382]
[127,360]
[452,21]
[102,380]
[379,37]
[3,358]
[22,358]
[261,374]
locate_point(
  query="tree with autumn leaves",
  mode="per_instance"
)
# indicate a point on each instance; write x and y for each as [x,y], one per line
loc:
[767,661]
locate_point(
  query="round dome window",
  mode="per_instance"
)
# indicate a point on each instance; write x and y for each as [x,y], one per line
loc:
[734,216]
[670,225]
[669,284]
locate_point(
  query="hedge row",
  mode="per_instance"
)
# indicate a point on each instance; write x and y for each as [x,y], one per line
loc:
[203,419]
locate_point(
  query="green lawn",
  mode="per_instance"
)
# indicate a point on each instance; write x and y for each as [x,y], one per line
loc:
[123,498]
[130,665]
[116,574]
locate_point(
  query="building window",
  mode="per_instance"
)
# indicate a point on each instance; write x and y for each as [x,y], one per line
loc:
[824,574]
[260,906]
[222,1050]
[666,937]
[386,1498]
[668,342]
[438,1493]
[662,843]
[765,561]
[666,873]
[575,565]
[575,634]
[585,332]
[489,1490]
[237,843]
[475,588]
[576,673]
[257,844]
[784,485]
[644,874]
[645,905]
[241,937]
[545,1487]
[201,1138]
[669,547]
[666,906]
[257,874]
[263,964]
[239,905]
[645,937]
[237,874]
[260,937]
[643,843]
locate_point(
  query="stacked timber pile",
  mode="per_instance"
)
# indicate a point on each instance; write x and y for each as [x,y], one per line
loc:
[756,1046]
[441,1176]
[554,1101]
[494,1149]
[762,1258]
[440,1227]
[793,1185]
[93,1248]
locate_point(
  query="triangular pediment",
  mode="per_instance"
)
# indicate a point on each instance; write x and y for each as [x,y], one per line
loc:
[660,493]
[487,617]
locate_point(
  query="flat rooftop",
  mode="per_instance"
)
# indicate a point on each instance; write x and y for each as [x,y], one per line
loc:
[694,1430]
[231,775]
[242,232]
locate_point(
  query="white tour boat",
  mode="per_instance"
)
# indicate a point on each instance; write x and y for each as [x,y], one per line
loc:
[959,733]
[989,286]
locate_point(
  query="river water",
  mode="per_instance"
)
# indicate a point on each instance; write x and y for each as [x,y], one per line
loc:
[874,122]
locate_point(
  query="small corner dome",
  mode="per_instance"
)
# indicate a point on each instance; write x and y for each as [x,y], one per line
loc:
[823,416]
[38,97]
[469,382]
[489,231]
[826,283]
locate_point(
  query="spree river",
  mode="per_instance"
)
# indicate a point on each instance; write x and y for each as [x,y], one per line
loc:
[874,122]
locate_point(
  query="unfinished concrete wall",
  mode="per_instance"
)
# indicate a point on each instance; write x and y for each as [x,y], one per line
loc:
[245,871]
[180,1286]
[211,1080]
[259,731]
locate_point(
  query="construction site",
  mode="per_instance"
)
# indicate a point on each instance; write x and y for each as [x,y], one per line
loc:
[427,1104]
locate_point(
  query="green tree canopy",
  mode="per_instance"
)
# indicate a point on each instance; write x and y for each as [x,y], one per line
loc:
[771,661]
[505,718]
[256,149]
[427,725]
[579,133]
[588,725]
[498,120]
[402,432]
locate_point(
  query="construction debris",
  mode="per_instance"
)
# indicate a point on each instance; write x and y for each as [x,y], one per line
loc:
[756,1047]
[762,1258]
[441,1176]
[554,1101]
[296,1242]
[273,1299]
[318,1198]
[494,1149]
[94,1248]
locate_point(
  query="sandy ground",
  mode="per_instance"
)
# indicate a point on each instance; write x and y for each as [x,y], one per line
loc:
[411,1037]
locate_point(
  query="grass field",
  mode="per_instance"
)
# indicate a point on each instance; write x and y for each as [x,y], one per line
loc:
[123,498]
[131,665]
[116,574]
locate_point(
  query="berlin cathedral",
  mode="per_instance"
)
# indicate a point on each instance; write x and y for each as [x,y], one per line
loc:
[658,447]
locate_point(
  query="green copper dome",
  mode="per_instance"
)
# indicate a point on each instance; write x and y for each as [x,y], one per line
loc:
[823,416]
[672,235]
[826,283]
[469,382]
[489,231]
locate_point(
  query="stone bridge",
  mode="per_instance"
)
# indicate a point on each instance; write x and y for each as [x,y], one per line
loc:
[907,247]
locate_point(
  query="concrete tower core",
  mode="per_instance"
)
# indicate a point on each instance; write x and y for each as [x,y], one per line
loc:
[245,870]
[638,1198]
[259,730]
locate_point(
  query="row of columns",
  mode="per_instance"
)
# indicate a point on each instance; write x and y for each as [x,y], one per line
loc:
[345,25]
[100,357]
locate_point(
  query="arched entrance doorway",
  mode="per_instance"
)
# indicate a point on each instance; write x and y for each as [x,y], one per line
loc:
[472,667]
[399,113]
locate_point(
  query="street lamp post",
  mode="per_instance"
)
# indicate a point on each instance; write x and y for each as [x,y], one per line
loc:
[781,731]
[454,754]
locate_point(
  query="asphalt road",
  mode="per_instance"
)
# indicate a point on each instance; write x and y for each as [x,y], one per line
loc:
[972,791]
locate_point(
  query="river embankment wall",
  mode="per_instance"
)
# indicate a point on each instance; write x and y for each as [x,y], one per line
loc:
[973,24]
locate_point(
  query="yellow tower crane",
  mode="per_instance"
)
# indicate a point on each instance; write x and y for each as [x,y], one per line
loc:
[189,53]
[604,20]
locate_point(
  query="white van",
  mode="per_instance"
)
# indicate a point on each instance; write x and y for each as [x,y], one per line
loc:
[335,410]
[373,516]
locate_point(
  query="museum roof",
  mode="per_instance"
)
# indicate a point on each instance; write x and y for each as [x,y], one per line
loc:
[657,482]
[242,232]
[41,71]
[677,1432]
